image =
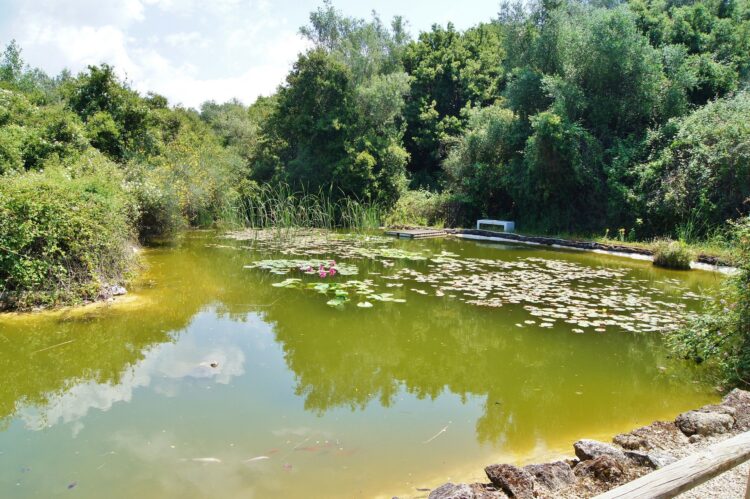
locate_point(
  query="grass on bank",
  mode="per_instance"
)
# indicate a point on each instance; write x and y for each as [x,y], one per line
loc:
[672,254]
[280,207]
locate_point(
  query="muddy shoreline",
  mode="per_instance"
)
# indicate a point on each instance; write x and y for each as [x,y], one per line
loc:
[596,467]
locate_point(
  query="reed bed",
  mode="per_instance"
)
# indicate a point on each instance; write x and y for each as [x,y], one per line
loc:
[284,211]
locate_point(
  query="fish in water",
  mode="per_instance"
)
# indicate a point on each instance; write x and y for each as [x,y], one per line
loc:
[311,448]
[259,458]
[204,460]
[72,485]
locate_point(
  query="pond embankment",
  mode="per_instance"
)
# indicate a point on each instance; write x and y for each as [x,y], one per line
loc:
[599,466]
[703,262]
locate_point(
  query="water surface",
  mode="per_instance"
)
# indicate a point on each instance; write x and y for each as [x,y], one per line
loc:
[308,400]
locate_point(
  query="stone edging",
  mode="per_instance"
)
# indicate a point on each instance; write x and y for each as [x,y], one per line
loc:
[599,466]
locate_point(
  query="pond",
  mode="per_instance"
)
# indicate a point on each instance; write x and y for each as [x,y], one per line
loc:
[233,369]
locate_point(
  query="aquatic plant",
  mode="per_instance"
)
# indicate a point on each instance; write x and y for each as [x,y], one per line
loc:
[283,210]
[342,292]
[323,268]
[551,291]
[672,254]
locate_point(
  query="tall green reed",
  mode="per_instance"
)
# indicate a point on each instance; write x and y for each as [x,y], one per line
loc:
[280,208]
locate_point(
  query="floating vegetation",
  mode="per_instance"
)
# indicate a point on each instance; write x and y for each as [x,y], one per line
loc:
[390,253]
[341,293]
[323,243]
[322,268]
[553,292]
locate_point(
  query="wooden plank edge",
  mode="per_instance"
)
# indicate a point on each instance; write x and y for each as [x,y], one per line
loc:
[688,472]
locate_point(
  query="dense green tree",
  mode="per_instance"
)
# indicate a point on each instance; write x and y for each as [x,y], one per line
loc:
[700,171]
[239,126]
[450,71]
[99,91]
[560,186]
[328,133]
[479,164]
[368,48]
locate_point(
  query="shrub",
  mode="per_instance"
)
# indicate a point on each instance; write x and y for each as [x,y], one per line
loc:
[64,236]
[720,336]
[672,254]
[701,175]
[419,207]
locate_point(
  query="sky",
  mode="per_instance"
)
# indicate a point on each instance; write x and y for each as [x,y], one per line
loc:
[196,50]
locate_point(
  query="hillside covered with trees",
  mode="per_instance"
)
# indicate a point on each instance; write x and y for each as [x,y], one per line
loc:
[566,116]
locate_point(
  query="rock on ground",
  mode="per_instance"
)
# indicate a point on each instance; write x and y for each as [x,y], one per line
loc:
[590,449]
[601,466]
[739,400]
[464,491]
[551,476]
[707,420]
[653,460]
[452,491]
[604,468]
[514,481]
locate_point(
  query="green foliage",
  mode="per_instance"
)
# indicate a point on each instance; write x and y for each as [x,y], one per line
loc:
[721,335]
[478,167]
[700,172]
[64,234]
[168,170]
[366,48]
[560,184]
[117,117]
[449,72]
[672,254]
[238,126]
[278,206]
[420,208]
[618,73]
[327,133]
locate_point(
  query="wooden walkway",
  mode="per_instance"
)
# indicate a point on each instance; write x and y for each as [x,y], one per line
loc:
[687,473]
[416,233]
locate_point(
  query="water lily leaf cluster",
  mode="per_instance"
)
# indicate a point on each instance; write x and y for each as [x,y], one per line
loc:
[553,292]
[319,243]
[341,293]
[283,266]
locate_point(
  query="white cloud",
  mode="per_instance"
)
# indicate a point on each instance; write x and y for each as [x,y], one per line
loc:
[188,50]
[162,368]
[81,46]
[189,39]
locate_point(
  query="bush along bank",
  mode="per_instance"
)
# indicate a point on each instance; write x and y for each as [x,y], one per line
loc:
[63,239]
[599,466]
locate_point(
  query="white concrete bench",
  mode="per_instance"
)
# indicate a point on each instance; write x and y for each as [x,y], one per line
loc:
[503,225]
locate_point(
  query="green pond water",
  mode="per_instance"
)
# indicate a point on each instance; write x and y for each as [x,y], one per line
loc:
[208,381]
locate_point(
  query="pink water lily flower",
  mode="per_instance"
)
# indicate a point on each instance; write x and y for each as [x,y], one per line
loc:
[331,271]
[322,274]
